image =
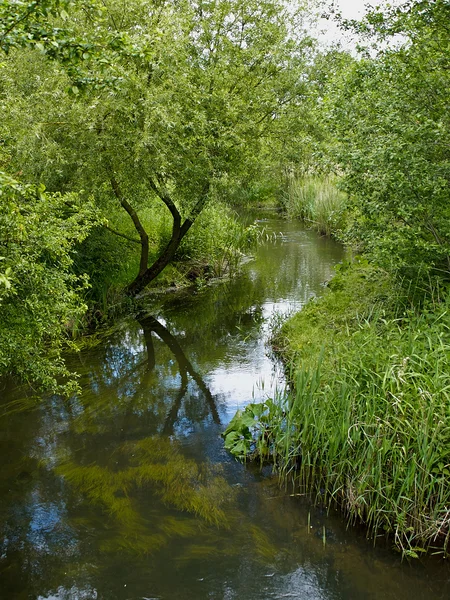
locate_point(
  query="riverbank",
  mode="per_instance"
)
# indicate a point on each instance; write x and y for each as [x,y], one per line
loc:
[367,425]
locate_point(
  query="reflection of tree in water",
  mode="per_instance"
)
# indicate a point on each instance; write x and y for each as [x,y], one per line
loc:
[151,492]
[136,385]
[151,325]
[110,486]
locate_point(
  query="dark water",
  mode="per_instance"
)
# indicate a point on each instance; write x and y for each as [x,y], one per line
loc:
[126,492]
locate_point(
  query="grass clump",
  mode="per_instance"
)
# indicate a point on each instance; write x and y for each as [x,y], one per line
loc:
[317,201]
[367,424]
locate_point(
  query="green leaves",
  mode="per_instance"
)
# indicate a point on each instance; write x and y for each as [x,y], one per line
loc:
[390,118]
[4,279]
[248,433]
[39,296]
[186,95]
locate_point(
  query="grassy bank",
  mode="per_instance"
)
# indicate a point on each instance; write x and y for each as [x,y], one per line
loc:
[368,423]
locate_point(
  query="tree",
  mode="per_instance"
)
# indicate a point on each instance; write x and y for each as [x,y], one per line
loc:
[390,119]
[171,113]
[39,296]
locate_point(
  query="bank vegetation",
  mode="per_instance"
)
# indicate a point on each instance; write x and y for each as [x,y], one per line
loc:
[366,425]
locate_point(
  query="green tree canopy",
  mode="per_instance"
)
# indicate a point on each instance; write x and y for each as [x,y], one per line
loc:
[173,110]
[390,119]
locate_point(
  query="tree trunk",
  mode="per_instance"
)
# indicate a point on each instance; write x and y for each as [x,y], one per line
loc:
[143,264]
[143,279]
[149,324]
[178,232]
[146,274]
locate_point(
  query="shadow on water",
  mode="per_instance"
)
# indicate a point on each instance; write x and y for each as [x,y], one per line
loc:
[125,492]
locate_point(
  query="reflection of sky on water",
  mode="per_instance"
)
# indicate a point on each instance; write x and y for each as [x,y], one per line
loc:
[241,383]
[301,584]
[73,593]
[177,379]
[249,373]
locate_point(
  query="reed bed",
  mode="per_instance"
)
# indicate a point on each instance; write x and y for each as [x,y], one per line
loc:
[367,425]
[317,201]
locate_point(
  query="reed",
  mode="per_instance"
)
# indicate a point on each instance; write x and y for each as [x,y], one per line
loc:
[317,201]
[367,424]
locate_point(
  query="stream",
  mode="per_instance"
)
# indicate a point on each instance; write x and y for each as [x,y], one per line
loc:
[125,492]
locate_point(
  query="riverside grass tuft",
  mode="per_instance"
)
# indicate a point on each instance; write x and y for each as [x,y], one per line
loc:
[367,425]
[317,201]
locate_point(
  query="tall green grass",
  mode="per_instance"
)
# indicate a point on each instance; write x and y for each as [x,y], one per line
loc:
[218,240]
[317,201]
[367,424]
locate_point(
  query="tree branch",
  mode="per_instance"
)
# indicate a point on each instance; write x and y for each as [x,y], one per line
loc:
[27,14]
[137,223]
[164,196]
[189,221]
[123,235]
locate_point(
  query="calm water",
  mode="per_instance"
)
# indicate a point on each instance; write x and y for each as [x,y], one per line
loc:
[126,492]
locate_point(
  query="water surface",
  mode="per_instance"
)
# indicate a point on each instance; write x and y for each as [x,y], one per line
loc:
[125,492]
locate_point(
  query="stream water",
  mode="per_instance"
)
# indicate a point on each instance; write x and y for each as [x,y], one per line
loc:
[126,492]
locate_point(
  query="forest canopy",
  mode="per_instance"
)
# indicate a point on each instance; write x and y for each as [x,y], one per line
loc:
[129,130]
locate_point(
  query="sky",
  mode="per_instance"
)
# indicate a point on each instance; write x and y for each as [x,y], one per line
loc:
[350,9]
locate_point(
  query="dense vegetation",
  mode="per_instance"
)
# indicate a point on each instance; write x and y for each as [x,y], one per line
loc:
[152,114]
[130,132]
[367,424]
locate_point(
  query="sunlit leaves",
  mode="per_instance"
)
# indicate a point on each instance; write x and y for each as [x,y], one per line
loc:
[39,296]
[391,121]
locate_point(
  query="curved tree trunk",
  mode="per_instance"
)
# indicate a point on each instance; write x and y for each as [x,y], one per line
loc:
[179,230]
[148,273]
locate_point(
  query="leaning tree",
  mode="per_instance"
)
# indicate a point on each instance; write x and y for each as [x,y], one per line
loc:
[167,102]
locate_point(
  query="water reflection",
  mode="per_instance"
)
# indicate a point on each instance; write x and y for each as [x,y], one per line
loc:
[151,325]
[125,492]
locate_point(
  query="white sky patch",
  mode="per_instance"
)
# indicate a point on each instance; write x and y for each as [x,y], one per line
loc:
[328,32]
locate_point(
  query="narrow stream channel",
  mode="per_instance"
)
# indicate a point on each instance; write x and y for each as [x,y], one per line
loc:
[126,492]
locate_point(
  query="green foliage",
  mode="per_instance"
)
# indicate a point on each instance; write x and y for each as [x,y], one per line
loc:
[39,296]
[55,29]
[368,423]
[247,435]
[390,120]
[357,291]
[25,23]
[317,201]
[218,240]
[168,111]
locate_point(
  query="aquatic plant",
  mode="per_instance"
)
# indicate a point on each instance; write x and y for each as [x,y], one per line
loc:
[247,435]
